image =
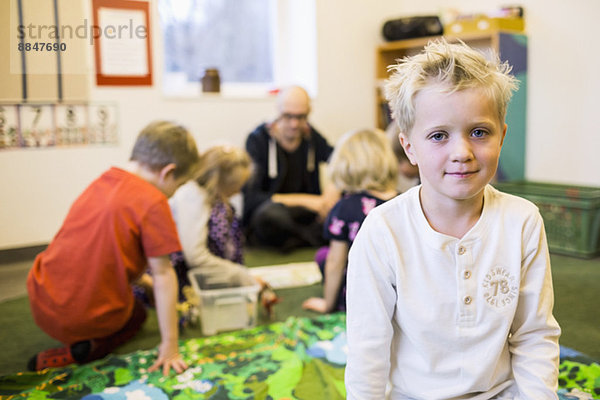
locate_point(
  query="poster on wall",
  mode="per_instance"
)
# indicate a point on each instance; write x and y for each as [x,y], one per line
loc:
[122,44]
[37,126]
[9,126]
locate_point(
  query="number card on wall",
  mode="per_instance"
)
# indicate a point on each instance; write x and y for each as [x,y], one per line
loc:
[29,125]
[37,127]
[102,124]
[9,126]
[71,124]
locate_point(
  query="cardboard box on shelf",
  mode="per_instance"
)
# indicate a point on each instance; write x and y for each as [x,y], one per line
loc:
[482,23]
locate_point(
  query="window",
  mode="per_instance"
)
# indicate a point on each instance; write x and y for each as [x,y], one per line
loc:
[257,45]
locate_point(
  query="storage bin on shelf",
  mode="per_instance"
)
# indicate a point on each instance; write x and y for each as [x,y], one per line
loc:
[571,214]
[228,301]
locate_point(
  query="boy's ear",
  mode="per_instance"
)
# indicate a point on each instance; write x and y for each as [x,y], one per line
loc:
[403,138]
[167,171]
[503,134]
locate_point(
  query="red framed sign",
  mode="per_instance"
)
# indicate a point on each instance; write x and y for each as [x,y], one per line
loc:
[121,34]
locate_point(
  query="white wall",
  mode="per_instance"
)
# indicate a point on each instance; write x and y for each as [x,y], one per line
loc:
[38,186]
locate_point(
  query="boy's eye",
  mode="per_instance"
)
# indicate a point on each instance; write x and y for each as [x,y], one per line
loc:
[437,136]
[479,133]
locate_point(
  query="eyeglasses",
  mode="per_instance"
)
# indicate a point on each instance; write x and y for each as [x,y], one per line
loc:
[288,117]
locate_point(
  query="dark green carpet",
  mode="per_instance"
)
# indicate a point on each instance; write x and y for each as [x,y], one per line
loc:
[577,302]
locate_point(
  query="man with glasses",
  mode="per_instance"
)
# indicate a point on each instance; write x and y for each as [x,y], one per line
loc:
[283,204]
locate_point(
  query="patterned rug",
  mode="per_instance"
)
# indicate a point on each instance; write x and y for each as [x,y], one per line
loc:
[300,358]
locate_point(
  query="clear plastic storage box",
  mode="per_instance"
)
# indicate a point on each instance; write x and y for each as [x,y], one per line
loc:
[227,301]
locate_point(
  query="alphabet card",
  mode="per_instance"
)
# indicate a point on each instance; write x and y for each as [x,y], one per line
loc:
[103,128]
[37,128]
[9,126]
[71,124]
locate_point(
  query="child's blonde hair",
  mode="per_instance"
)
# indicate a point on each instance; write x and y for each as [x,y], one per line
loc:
[457,65]
[217,165]
[363,160]
[162,143]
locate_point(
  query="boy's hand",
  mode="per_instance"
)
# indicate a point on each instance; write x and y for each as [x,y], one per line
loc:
[168,358]
[165,293]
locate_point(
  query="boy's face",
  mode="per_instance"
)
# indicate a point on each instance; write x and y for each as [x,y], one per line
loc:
[173,184]
[167,182]
[455,142]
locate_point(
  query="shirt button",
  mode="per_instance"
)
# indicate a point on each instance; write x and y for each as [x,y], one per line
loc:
[461,250]
[467,274]
[467,299]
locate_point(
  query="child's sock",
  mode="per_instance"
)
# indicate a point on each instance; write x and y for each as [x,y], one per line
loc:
[60,357]
[81,350]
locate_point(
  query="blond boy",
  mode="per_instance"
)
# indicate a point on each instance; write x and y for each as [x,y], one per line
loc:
[449,285]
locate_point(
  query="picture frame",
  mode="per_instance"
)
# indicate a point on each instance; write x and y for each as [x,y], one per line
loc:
[122,42]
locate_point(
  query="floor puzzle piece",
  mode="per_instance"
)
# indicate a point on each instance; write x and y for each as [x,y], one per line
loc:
[289,275]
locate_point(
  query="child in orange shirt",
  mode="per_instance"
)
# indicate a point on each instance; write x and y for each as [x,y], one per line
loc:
[80,287]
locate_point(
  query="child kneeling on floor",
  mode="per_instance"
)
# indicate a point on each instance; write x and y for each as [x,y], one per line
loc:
[80,287]
[208,227]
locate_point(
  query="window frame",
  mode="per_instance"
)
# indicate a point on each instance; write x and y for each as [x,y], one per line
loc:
[294,57]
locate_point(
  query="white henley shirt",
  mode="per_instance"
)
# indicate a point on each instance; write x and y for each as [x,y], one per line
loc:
[444,318]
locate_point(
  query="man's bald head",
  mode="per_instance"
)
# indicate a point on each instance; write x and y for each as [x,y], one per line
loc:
[293,100]
[293,105]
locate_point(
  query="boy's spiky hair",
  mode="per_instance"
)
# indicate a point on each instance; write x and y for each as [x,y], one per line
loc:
[456,65]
